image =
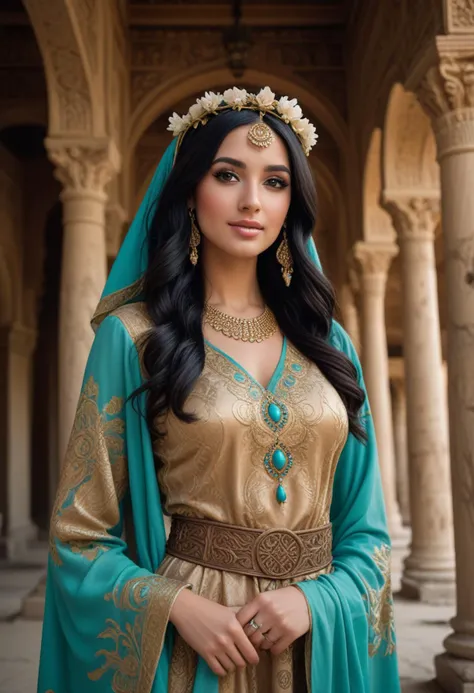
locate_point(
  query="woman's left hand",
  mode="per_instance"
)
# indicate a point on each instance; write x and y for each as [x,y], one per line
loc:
[283,616]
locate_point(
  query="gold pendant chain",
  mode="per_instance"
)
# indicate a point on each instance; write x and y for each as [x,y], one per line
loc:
[244,329]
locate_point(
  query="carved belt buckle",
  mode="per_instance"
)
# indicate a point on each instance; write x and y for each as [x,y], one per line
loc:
[278,553]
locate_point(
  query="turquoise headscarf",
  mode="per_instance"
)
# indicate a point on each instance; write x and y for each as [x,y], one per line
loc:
[125,279]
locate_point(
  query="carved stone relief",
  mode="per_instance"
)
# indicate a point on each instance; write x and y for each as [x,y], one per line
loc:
[460,16]
[64,65]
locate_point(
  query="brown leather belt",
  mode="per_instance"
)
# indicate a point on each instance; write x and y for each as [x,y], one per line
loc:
[276,554]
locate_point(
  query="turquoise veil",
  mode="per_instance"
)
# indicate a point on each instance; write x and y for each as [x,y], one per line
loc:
[125,279]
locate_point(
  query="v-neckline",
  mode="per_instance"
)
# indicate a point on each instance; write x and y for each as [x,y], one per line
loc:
[275,377]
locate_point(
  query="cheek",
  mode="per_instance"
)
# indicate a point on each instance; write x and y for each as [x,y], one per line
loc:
[277,208]
[212,202]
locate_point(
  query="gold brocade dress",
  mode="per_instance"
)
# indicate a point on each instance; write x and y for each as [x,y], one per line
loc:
[214,469]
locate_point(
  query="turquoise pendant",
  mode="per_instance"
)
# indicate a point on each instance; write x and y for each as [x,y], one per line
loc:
[281,494]
[279,459]
[274,412]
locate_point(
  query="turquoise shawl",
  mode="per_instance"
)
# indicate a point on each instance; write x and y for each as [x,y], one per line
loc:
[106,622]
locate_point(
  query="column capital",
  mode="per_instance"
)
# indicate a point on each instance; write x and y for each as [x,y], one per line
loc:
[373,263]
[374,258]
[446,93]
[83,165]
[414,218]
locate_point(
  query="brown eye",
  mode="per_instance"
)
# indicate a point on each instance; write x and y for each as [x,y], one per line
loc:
[225,176]
[276,183]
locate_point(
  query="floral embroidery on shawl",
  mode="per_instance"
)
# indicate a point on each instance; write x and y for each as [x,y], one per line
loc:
[94,477]
[380,606]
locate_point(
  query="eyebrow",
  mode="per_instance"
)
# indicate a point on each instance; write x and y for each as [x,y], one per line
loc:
[240,164]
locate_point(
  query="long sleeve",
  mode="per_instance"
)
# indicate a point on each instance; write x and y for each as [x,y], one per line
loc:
[353,647]
[106,615]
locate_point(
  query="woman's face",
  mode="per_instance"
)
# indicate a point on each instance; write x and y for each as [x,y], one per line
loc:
[242,202]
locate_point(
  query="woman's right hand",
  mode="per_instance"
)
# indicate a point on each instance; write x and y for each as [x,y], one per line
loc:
[213,631]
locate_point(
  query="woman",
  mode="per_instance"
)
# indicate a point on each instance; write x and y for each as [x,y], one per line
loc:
[220,391]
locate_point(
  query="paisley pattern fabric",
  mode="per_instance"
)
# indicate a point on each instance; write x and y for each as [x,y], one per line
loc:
[110,584]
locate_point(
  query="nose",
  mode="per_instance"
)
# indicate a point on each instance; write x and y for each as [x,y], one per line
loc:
[250,201]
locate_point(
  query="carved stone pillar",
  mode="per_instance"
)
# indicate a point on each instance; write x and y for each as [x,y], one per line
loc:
[429,572]
[400,443]
[84,168]
[374,261]
[447,93]
[16,348]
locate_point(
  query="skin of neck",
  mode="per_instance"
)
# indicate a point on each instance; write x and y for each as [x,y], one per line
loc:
[230,283]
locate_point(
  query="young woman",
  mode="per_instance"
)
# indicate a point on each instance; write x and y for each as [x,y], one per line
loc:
[221,392]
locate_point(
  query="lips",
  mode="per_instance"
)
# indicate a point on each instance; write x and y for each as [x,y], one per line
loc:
[247,224]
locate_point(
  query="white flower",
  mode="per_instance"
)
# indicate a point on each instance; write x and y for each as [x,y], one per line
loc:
[265,98]
[306,132]
[210,101]
[178,124]
[289,110]
[235,97]
[196,111]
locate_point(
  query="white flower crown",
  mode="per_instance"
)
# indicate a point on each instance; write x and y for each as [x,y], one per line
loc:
[238,99]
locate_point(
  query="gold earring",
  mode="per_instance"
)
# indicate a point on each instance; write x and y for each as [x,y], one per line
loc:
[195,239]
[283,255]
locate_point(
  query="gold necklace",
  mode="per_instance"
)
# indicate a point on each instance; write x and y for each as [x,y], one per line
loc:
[244,329]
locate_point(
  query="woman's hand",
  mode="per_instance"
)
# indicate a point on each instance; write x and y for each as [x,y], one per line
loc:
[213,631]
[283,616]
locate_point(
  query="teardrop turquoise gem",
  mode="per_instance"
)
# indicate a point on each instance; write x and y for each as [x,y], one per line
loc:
[281,494]
[279,459]
[274,412]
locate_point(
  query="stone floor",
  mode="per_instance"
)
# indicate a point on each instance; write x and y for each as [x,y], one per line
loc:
[420,632]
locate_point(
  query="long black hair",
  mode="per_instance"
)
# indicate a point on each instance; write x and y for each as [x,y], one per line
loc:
[174,289]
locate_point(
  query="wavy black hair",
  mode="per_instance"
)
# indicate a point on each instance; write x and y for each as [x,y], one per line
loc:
[174,289]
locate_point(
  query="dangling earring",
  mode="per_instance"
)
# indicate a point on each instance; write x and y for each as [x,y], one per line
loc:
[283,256]
[195,239]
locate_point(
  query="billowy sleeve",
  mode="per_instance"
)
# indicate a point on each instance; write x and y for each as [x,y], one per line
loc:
[106,614]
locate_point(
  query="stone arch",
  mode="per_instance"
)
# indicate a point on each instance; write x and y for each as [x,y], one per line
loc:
[377,224]
[409,148]
[68,75]
[163,97]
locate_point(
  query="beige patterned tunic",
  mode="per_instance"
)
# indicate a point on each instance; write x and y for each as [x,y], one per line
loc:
[214,468]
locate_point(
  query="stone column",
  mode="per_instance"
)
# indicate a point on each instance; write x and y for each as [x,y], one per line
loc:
[447,93]
[429,572]
[16,348]
[400,444]
[350,317]
[374,261]
[84,168]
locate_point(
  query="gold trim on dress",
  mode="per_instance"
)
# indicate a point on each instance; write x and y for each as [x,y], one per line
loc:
[114,300]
